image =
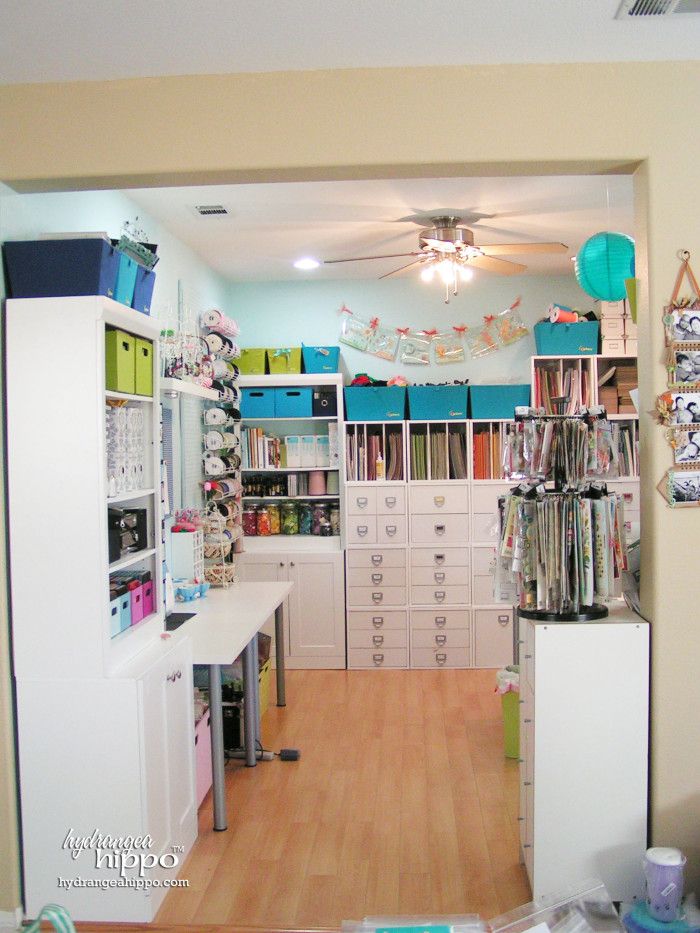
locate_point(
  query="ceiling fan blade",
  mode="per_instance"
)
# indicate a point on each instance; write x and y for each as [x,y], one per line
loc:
[328,262]
[512,249]
[416,262]
[500,266]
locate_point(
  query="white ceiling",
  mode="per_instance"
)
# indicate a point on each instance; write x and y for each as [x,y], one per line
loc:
[75,40]
[271,225]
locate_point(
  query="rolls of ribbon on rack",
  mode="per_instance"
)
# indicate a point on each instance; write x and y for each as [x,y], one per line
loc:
[218,321]
[222,346]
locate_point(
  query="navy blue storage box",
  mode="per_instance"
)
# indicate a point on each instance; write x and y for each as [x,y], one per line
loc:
[567,339]
[143,289]
[293,402]
[497,401]
[320,359]
[257,403]
[59,268]
[437,403]
[375,403]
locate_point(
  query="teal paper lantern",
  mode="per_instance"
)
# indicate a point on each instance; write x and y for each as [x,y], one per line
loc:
[603,263]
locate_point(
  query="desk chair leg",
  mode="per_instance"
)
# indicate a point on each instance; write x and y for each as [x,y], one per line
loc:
[217,748]
[279,655]
[250,682]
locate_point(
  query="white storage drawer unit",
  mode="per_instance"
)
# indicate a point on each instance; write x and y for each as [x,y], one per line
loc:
[438,638]
[376,576]
[493,637]
[433,499]
[450,528]
[485,511]
[584,747]
[391,500]
[439,619]
[362,500]
[439,595]
[377,558]
[376,595]
[373,620]
[391,529]
[377,657]
[362,529]
[437,576]
[440,657]
[440,557]
[391,638]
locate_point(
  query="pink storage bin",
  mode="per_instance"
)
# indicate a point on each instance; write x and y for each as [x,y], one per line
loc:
[202,757]
[148,605]
[136,604]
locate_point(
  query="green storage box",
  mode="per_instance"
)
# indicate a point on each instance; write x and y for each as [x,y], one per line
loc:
[143,374]
[511,724]
[284,360]
[120,365]
[252,361]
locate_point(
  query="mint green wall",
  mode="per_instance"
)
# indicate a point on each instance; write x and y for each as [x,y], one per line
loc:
[281,314]
[24,216]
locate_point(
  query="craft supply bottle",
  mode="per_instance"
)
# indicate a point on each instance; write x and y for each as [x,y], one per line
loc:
[379,467]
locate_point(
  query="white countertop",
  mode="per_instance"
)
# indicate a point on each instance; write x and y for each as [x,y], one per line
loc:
[227,618]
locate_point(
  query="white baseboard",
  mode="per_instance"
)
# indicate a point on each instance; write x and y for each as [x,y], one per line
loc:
[11,920]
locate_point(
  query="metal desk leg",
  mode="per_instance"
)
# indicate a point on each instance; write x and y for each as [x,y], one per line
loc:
[256,694]
[217,748]
[279,654]
[250,681]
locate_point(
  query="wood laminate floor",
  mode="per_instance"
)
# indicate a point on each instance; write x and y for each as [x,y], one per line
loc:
[402,802]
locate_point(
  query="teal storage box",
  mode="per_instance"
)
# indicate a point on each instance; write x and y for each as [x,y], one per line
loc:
[497,401]
[320,359]
[59,268]
[257,403]
[375,403]
[143,289]
[567,339]
[437,403]
[293,402]
[126,279]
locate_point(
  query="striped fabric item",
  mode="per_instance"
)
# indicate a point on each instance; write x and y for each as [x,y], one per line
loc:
[56,916]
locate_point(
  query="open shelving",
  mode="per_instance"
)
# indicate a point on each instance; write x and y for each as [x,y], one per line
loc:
[369,443]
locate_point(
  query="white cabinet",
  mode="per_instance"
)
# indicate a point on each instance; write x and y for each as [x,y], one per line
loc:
[314,613]
[584,752]
[118,754]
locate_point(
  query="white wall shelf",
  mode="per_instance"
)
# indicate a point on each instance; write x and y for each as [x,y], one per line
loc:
[287,380]
[131,559]
[180,387]
[130,495]
[126,397]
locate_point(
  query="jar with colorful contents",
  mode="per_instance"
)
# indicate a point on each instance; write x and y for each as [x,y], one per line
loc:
[335,519]
[290,519]
[305,518]
[320,518]
[250,522]
[273,511]
[263,521]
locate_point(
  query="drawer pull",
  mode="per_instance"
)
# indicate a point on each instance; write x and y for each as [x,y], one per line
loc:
[440,621]
[504,620]
[528,657]
[527,845]
[521,819]
[441,658]
[390,501]
[391,530]
[377,640]
[440,595]
[361,502]
[627,497]
[377,621]
[441,640]
[377,559]
[439,501]
[439,577]
[176,675]
[527,783]
[377,597]
[362,530]
[378,659]
[439,529]
[377,578]
[439,558]
[527,720]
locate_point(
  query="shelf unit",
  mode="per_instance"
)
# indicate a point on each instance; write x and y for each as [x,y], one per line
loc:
[133,713]
[314,612]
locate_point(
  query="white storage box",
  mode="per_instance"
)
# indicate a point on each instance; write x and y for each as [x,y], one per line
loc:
[630,328]
[611,309]
[308,450]
[612,327]
[630,347]
[613,346]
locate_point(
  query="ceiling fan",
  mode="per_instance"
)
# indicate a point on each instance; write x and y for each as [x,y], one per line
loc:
[447,248]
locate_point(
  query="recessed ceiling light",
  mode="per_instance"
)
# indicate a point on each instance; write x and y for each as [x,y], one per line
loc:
[307,263]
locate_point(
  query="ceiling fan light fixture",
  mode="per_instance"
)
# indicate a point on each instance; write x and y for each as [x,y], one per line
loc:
[307,263]
[428,273]
[465,273]
[447,271]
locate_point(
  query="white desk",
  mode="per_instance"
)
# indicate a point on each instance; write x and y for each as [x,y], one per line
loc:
[227,624]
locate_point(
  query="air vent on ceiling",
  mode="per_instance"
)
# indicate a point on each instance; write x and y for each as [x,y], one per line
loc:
[209,210]
[646,8]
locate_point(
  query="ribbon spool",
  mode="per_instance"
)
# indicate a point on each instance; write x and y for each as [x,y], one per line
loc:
[217,320]
[563,316]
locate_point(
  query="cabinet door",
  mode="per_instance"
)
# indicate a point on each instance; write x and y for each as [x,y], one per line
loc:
[179,731]
[266,568]
[316,606]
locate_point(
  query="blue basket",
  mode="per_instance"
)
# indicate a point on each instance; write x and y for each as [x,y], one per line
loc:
[58,268]
[567,339]
[143,290]
[126,279]
[375,403]
[320,359]
[258,403]
[293,402]
[497,401]
[437,403]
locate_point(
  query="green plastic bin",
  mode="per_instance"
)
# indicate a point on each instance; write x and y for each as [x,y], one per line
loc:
[252,361]
[508,685]
[120,361]
[284,360]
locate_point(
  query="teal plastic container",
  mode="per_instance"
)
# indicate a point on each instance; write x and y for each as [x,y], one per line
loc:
[126,280]
[375,403]
[567,339]
[497,401]
[438,403]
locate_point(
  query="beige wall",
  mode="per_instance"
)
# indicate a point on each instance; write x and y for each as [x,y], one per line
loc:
[500,119]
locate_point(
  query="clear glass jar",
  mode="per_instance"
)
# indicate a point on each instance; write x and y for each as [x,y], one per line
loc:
[335,519]
[263,521]
[305,518]
[321,517]
[250,522]
[274,512]
[290,518]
